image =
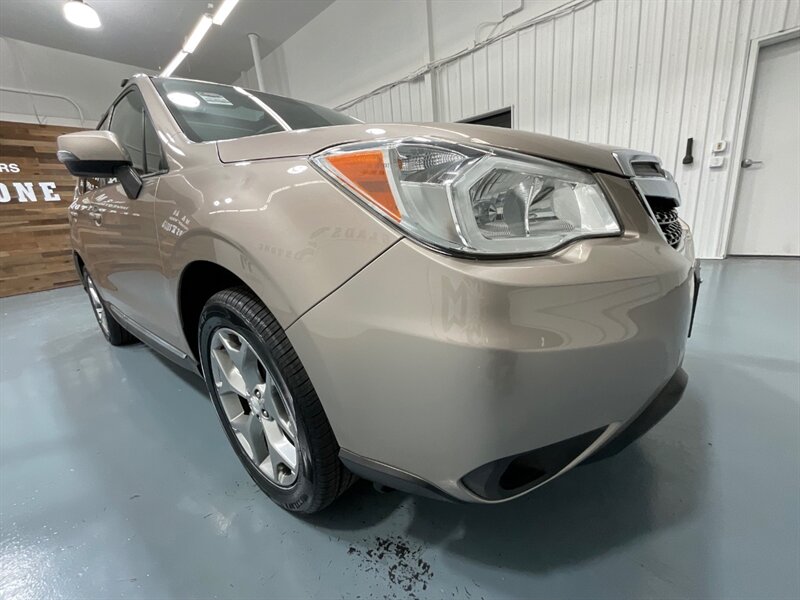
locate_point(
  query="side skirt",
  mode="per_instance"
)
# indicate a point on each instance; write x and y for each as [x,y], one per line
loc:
[163,347]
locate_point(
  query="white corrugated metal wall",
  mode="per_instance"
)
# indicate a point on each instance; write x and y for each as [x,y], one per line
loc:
[646,74]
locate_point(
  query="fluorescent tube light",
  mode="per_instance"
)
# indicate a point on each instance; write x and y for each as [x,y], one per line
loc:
[202,27]
[224,10]
[170,68]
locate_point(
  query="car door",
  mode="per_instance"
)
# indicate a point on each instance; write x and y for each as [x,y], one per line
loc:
[120,242]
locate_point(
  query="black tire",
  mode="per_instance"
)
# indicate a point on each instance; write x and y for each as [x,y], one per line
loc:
[321,476]
[115,333]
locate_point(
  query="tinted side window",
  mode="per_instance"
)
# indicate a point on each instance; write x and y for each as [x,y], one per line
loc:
[136,133]
[127,123]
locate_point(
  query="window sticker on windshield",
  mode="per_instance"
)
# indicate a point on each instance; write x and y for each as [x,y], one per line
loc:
[212,98]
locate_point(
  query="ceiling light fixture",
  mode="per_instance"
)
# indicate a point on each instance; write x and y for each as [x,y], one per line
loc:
[224,10]
[197,35]
[174,64]
[81,14]
[202,27]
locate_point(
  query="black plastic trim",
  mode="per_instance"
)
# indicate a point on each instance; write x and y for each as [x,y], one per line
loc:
[131,181]
[663,402]
[515,474]
[483,117]
[89,168]
[76,262]
[697,282]
[392,477]
[156,343]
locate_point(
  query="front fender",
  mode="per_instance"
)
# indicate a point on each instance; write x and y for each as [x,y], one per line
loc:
[207,246]
[278,225]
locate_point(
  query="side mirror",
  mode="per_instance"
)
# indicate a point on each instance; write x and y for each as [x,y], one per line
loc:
[99,154]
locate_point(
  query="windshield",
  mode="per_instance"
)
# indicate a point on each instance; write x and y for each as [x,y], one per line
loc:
[208,112]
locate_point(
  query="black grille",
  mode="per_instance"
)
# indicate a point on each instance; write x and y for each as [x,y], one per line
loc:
[668,221]
[647,169]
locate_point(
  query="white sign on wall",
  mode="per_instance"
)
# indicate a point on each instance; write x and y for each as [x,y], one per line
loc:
[26,191]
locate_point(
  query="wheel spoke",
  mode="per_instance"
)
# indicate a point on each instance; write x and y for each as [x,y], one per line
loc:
[233,406]
[281,449]
[227,377]
[277,409]
[288,429]
[243,358]
[250,434]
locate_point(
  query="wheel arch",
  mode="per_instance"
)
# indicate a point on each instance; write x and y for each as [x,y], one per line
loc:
[203,263]
[200,280]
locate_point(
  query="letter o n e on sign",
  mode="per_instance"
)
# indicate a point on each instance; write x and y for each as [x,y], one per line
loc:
[27,193]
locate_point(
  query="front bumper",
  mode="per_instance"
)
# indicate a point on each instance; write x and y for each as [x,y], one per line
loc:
[511,476]
[431,367]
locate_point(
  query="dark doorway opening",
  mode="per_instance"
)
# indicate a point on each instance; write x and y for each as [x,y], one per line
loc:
[496,118]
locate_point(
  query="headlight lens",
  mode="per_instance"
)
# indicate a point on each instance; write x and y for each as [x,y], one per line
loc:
[472,200]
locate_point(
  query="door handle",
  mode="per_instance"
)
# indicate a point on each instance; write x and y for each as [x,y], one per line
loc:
[749,162]
[96,217]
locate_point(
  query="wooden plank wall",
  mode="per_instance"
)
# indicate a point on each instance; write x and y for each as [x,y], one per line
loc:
[35,252]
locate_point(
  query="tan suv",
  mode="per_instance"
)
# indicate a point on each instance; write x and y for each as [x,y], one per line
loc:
[460,311]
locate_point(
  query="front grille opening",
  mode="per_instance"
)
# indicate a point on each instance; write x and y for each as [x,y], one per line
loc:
[659,204]
[665,213]
[670,226]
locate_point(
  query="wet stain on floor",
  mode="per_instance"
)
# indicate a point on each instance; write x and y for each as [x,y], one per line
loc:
[397,561]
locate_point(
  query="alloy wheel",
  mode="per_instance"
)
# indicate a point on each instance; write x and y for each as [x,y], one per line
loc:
[258,411]
[97,305]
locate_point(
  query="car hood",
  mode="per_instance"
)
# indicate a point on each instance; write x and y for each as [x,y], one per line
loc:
[305,142]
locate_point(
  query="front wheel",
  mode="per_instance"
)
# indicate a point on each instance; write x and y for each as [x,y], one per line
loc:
[268,407]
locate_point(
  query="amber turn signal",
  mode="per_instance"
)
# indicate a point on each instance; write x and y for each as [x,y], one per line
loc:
[365,172]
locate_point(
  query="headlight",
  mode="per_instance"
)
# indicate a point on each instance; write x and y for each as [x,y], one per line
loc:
[471,200]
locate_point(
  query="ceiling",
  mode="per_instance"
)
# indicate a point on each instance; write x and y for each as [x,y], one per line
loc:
[148,33]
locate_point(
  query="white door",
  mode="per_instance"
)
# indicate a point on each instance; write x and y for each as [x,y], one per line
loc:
[767,216]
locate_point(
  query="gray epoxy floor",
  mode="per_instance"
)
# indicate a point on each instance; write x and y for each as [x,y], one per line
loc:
[117,482]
